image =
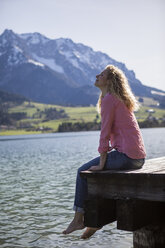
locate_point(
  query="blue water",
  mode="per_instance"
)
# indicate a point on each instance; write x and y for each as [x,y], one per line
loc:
[37,184]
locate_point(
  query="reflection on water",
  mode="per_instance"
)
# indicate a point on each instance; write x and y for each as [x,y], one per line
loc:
[37,183]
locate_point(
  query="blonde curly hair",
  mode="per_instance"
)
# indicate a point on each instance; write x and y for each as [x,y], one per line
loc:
[119,87]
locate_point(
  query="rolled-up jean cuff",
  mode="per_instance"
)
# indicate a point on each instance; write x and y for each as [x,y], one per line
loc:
[78,209]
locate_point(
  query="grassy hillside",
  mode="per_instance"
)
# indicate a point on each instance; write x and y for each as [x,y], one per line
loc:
[75,114]
[36,121]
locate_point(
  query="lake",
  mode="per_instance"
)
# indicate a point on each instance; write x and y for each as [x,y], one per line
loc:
[37,184]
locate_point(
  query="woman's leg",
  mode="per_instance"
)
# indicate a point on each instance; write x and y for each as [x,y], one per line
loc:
[81,185]
[80,195]
[76,224]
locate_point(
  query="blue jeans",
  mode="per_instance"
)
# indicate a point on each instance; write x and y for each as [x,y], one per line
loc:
[115,161]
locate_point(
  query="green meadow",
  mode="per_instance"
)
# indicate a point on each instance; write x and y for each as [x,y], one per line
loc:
[74,114]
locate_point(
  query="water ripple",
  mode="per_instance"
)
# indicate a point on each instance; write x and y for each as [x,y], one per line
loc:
[37,185]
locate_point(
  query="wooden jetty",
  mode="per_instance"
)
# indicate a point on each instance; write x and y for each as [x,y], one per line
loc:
[133,198]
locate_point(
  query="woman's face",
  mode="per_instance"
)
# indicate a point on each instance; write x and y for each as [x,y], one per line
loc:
[101,79]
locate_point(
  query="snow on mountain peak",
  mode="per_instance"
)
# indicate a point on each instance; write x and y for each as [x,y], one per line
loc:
[18,49]
[8,32]
[76,54]
[35,62]
[49,62]
[60,42]
[16,56]
[34,38]
[77,63]
[7,35]
[3,41]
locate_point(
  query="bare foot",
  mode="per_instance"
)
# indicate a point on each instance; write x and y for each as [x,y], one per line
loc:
[89,232]
[73,226]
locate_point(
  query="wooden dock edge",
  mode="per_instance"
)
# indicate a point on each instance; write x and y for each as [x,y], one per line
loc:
[109,200]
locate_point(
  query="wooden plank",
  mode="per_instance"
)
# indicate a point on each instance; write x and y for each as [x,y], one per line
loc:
[155,159]
[99,212]
[160,172]
[151,236]
[134,214]
[147,183]
[140,200]
[149,168]
[121,186]
[148,171]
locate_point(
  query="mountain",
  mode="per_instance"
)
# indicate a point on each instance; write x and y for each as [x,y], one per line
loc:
[6,97]
[56,71]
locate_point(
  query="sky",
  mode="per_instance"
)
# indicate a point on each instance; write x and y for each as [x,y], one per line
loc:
[129,31]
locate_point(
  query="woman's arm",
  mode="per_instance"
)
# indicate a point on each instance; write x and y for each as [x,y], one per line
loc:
[103,157]
[107,118]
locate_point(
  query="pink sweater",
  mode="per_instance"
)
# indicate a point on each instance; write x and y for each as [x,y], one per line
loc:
[119,126]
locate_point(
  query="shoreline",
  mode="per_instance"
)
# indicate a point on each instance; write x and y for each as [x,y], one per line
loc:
[24,132]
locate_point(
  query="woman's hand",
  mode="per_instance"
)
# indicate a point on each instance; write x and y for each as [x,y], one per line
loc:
[95,168]
[103,157]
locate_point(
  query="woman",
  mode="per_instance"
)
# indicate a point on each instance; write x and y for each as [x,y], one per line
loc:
[119,126]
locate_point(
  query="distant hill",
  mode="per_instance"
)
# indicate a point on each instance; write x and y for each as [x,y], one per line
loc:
[9,97]
[56,71]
